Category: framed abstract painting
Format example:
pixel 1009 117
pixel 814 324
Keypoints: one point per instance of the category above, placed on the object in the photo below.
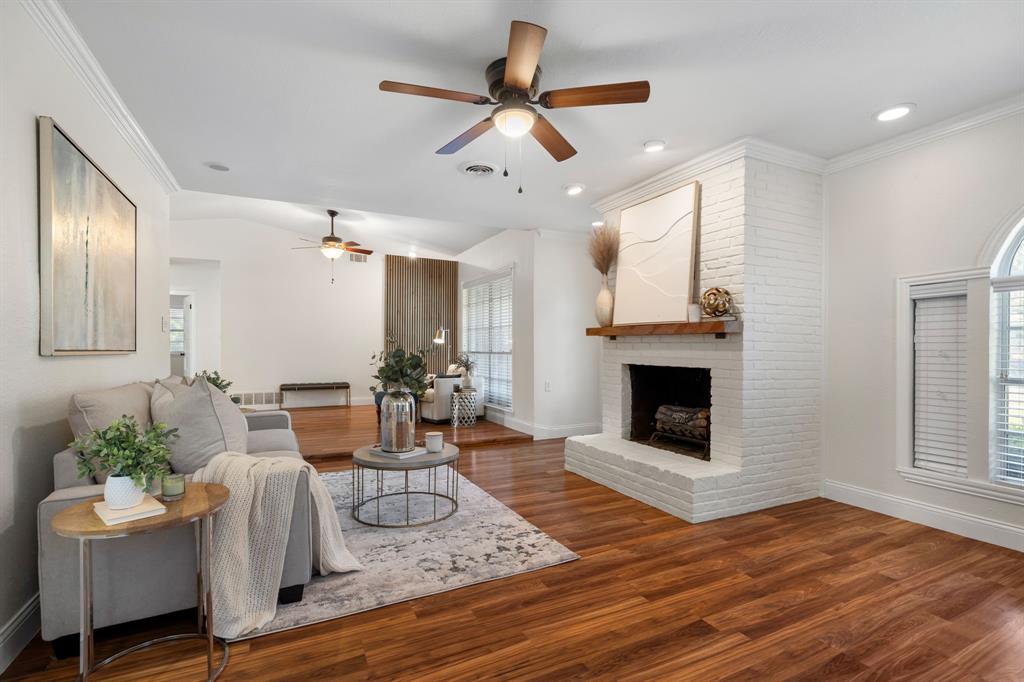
pixel 657 270
pixel 87 253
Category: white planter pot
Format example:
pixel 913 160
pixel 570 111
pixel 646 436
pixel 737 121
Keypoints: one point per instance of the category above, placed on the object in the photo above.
pixel 120 492
pixel 467 381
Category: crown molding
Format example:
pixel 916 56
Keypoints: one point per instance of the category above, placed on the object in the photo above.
pixel 747 147
pixel 953 126
pixel 62 34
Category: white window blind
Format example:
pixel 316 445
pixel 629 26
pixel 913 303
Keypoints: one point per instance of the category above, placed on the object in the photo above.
pixel 940 378
pixel 1007 463
pixel 177 330
pixel 487 336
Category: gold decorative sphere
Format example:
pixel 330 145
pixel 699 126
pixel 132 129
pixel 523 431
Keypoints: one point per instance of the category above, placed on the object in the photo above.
pixel 715 302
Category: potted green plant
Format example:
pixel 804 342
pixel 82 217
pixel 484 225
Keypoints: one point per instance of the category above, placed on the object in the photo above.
pixel 220 383
pixel 465 363
pixel 130 456
pixel 402 375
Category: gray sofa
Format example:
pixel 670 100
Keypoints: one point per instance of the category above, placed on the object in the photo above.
pixel 149 575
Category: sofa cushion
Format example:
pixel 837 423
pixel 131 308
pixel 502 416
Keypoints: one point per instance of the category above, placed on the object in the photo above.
pixel 88 412
pixel 208 423
pixel 267 440
pixel 290 454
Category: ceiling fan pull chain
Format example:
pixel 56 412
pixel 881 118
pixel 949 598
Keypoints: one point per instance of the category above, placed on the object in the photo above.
pixel 504 173
pixel 520 141
pixel 332 270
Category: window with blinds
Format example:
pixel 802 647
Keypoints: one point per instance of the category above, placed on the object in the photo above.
pixel 177 330
pixel 1007 453
pixel 940 378
pixel 487 336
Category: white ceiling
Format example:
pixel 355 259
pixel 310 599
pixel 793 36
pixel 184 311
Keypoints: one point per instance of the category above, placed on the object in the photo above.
pixel 285 93
pixel 381 232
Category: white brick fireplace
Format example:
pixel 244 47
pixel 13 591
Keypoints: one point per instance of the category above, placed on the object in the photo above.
pixel 761 238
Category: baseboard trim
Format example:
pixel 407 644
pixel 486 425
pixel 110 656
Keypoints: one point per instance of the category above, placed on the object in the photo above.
pixel 943 518
pixel 505 419
pixel 564 430
pixel 19 631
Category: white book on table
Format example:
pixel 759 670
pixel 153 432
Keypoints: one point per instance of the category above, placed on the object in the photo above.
pixel 418 450
pixel 148 507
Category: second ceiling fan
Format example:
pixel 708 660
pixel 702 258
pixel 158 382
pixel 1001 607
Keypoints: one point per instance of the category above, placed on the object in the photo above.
pixel 513 83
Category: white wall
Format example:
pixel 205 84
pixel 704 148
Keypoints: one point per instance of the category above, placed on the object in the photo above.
pixel 200 279
pixel 925 210
pixel 554 291
pixel 566 376
pixel 515 248
pixel 282 319
pixel 34 390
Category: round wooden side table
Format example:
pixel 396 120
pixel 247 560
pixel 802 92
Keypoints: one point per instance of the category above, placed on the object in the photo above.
pixel 201 502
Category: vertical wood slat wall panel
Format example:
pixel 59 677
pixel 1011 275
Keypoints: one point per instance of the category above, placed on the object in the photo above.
pixel 420 295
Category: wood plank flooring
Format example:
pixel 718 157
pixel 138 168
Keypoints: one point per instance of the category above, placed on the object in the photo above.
pixel 815 590
pixel 328 431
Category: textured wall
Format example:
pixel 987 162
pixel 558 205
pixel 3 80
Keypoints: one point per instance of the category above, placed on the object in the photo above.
pixel 420 295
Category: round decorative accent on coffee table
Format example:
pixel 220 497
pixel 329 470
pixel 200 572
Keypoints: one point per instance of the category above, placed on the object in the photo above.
pixel 425 487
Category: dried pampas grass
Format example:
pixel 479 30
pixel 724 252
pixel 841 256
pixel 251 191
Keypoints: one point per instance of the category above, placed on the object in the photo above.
pixel 604 248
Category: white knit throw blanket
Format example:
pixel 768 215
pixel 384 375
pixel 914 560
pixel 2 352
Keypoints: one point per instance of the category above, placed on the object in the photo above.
pixel 250 534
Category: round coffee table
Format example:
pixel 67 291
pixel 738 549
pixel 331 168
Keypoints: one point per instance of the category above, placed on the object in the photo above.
pixel 201 502
pixel 438 465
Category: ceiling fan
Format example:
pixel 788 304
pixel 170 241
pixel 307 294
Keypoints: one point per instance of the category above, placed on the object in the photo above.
pixel 331 246
pixel 513 82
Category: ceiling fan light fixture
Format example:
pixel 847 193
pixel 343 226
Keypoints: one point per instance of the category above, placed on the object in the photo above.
pixel 514 120
pixel 332 252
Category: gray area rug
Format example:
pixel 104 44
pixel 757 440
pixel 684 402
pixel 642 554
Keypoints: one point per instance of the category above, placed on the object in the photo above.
pixel 484 540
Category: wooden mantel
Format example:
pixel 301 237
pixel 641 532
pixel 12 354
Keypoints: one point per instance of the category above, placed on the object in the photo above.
pixel 717 327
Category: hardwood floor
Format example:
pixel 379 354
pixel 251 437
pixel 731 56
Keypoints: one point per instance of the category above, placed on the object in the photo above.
pixel 327 431
pixel 810 591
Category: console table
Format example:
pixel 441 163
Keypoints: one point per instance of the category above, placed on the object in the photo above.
pixel 201 502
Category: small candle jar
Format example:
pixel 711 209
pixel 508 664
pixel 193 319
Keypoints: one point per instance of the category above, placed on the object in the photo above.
pixel 434 441
pixel 172 487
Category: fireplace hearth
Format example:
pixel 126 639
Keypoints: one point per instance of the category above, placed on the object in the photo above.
pixel 670 408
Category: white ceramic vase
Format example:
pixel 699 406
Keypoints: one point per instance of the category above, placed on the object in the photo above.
pixel 605 304
pixel 120 492
pixel 467 380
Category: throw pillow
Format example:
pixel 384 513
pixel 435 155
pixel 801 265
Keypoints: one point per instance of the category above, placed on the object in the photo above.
pixel 208 423
pixel 88 412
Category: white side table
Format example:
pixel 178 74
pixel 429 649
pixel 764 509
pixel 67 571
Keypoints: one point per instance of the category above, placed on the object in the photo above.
pixel 464 408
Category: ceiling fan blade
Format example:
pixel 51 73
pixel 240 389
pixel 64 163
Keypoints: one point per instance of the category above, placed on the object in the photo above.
pixel 439 93
pixel 525 41
pixel 365 252
pixel 612 93
pixel 551 139
pixel 311 241
pixel 467 137
pixel 347 244
pixel 299 248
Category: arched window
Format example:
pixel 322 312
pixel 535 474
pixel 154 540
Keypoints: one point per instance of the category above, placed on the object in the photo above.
pixel 1007 452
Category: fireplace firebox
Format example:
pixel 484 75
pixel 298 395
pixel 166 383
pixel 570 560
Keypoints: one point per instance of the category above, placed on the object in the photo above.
pixel 670 408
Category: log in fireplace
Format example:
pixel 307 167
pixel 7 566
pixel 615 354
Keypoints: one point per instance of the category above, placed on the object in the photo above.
pixel 671 408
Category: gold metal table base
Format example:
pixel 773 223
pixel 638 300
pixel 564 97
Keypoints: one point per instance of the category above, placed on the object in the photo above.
pixel 204 608
pixel 360 501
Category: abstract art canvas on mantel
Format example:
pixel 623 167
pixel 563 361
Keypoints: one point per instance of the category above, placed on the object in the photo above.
pixel 656 273
pixel 87 253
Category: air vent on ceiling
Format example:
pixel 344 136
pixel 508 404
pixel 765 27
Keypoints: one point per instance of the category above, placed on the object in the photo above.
pixel 477 169
pixel 357 257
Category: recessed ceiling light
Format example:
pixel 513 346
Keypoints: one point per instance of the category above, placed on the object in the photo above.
pixel 597 223
pixel 654 146
pixel 573 189
pixel 895 113
pixel 213 165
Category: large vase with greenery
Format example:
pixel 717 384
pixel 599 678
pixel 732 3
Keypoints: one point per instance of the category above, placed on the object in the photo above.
pixel 403 378
pixel 128 455
pixel 466 365
pixel 604 251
